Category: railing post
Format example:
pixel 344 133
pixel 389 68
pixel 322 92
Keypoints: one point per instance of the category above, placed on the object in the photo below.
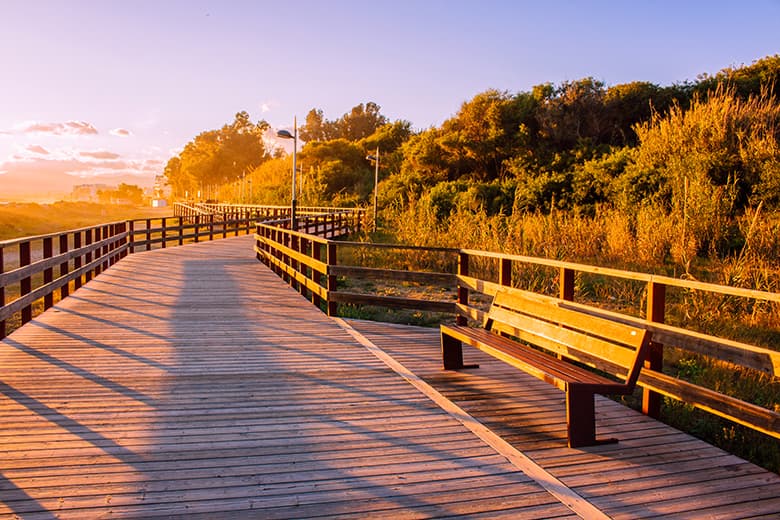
pixel 77 260
pixel 107 247
pixel 25 285
pixel 224 225
pixel 566 286
pixel 88 257
pixel 196 218
pixel 286 240
pixel 48 273
pixel 211 226
pixel 259 243
pixel 295 245
pixel 315 274
pixel 333 307
pixel 111 232
pixel 148 234
pixel 164 232
pixel 463 292
pixel 65 289
pixel 128 237
pixel 303 248
pixel 275 241
pixel 131 236
pixel 119 228
pixel 181 231
pixel 2 294
pixel 98 251
pixel 656 306
pixel 505 276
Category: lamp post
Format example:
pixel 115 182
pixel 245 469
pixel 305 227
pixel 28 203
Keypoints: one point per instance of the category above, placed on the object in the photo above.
pixel 375 158
pixel 285 134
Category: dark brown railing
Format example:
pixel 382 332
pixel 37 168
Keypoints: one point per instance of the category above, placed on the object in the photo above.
pixel 315 266
pixel 35 272
pixel 28 267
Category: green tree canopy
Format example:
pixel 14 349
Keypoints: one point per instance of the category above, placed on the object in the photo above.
pixel 216 157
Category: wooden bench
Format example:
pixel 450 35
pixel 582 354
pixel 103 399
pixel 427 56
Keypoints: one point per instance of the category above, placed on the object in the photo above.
pixel 550 338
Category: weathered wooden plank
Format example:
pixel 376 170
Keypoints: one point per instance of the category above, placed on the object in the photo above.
pixel 651 460
pixel 203 384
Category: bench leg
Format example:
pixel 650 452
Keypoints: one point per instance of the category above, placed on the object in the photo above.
pixel 581 418
pixel 452 354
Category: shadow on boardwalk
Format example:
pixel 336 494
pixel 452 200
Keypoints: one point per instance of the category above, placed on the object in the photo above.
pixel 191 381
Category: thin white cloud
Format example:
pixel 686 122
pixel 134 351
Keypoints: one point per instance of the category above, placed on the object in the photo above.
pixel 66 128
pixel 100 154
pixel 120 132
pixel 37 149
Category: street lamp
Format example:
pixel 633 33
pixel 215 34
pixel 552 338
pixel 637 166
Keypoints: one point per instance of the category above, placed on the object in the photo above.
pixel 285 134
pixel 375 158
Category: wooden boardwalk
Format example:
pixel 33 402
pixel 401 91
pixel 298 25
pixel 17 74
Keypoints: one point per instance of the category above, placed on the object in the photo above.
pixel 193 382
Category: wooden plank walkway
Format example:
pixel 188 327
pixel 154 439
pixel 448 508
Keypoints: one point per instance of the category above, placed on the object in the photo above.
pixel 654 471
pixel 193 382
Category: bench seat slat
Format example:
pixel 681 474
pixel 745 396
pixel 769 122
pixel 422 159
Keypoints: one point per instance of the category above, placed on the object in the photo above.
pixel 541 365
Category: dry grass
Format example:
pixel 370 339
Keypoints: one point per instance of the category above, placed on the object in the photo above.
pixel 28 219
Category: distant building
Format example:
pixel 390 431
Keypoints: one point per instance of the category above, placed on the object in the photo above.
pixel 159 203
pixel 88 192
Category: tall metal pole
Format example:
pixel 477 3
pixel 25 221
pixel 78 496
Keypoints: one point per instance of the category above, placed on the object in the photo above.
pixel 294 204
pixel 376 183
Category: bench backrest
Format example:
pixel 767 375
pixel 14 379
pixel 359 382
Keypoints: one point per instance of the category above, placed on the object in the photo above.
pixel 592 340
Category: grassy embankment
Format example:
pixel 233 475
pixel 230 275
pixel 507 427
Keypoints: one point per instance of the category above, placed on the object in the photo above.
pixel 29 219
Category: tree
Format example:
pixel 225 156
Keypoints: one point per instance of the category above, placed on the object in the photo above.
pixel 486 131
pixel 388 138
pixel 123 194
pixel 317 128
pixel 361 121
pixel 216 157
pixel 573 112
pixel 340 167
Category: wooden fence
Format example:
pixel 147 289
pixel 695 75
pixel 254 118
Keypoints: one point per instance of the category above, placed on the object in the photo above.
pixel 28 265
pixel 37 271
pixel 315 265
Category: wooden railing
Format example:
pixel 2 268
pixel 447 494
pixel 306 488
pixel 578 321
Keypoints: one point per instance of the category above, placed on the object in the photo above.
pixel 315 266
pixel 27 266
pixel 28 284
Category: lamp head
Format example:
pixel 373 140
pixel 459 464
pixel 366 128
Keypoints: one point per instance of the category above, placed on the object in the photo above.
pixel 370 157
pixel 284 134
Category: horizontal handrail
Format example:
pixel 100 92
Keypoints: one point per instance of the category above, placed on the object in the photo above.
pixel 629 275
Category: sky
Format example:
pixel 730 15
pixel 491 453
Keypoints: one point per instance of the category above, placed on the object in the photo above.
pixel 107 91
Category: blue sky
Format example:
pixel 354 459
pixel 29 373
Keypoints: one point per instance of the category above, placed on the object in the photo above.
pixel 91 88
